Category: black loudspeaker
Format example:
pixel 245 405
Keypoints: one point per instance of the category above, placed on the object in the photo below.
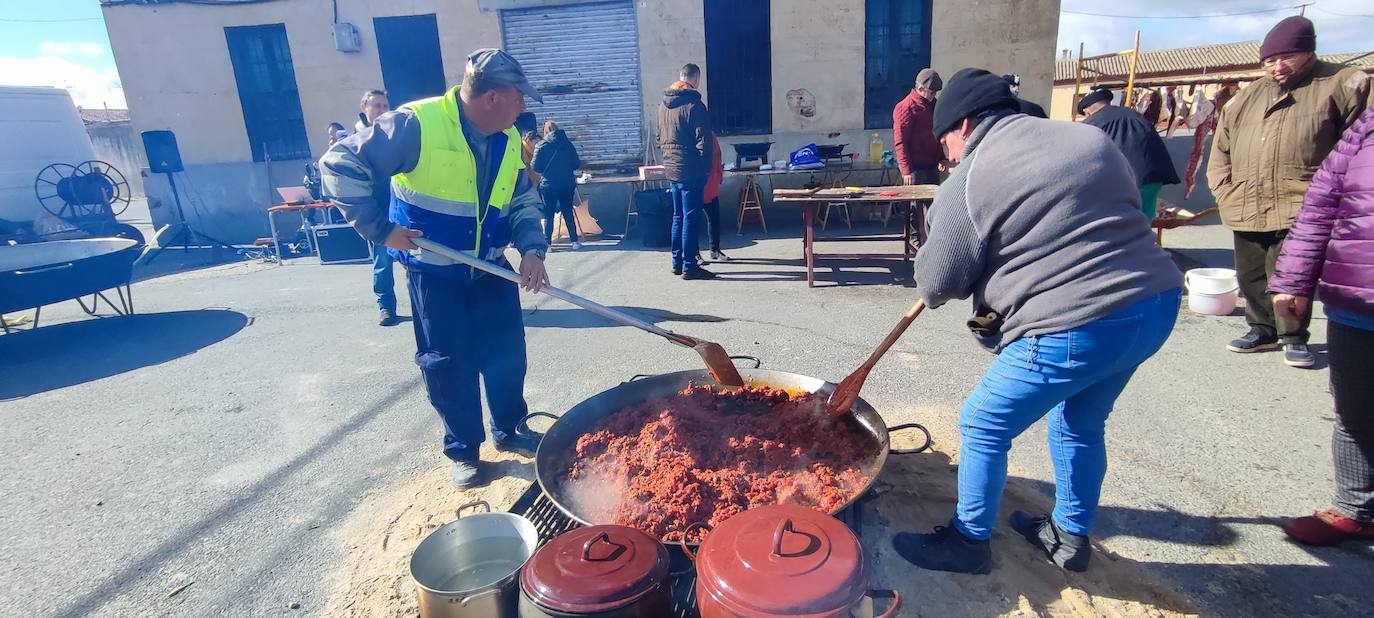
pixel 163 155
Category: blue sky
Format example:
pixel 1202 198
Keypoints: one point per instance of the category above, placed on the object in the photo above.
pixel 63 42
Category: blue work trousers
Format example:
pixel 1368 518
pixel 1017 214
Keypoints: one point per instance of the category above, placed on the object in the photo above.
pixel 466 330
pixel 383 281
pixel 687 207
pixel 1073 376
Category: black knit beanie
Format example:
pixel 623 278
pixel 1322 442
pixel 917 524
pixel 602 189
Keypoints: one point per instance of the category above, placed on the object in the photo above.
pixel 1293 34
pixel 966 94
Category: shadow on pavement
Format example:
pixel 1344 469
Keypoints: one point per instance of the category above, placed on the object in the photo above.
pixel 71 353
pixel 175 545
pixel 915 493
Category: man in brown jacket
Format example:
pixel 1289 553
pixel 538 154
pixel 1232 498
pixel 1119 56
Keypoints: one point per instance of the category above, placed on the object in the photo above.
pixel 1270 140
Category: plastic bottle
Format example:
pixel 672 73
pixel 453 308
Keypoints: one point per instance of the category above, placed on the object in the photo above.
pixel 875 149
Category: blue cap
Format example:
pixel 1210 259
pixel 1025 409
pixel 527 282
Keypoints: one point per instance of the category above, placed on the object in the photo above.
pixel 497 67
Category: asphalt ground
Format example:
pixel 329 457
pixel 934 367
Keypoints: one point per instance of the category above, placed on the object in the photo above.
pixel 199 457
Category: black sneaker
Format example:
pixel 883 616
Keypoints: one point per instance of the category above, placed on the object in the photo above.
pixel 521 443
pixel 698 273
pixel 387 318
pixel 468 474
pixel 1070 551
pixel 1297 355
pixel 945 549
pixel 677 271
pixel 1253 342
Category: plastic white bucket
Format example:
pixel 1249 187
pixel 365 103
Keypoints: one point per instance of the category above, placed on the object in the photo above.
pixel 1211 291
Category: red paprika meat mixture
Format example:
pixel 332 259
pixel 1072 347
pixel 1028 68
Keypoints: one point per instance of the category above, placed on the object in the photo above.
pixel 702 456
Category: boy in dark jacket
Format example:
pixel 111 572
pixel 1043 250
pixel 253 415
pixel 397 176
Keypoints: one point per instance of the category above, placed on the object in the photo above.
pixel 556 161
pixel 684 136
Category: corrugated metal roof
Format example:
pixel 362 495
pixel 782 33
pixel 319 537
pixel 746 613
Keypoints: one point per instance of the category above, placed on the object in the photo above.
pixel 93 116
pixel 1199 59
pixel 1202 59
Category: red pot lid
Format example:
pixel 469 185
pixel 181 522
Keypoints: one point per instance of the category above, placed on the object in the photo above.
pixel 783 560
pixel 595 569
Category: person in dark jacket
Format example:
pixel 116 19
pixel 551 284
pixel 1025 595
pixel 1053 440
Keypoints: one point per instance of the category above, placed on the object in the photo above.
pixel 1138 140
pixel 1327 253
pixel 556 161
pixel 684 136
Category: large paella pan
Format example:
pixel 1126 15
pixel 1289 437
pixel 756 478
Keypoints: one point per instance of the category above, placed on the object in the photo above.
pixel 561 470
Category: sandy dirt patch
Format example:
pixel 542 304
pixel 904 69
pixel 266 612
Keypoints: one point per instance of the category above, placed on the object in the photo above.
pixel 916 493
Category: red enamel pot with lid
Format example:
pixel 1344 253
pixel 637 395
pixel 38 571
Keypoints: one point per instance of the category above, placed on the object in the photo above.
pixel 597 571
pixel 785 560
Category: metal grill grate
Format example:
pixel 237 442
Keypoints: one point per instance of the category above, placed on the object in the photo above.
pixel 551 522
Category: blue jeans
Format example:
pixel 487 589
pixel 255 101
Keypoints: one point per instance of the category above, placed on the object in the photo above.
pixel 687 208
pixel 1073 376
pixel 466 331
pixel 383 281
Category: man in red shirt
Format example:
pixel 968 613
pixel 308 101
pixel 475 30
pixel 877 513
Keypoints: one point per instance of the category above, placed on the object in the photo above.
pixel 919 154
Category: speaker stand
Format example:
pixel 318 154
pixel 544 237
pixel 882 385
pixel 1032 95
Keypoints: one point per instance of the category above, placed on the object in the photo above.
pixel 186 236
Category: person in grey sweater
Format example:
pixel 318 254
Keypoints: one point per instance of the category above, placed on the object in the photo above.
pixel 1040 224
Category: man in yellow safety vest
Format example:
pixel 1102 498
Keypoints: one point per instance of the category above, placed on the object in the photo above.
pixel 456 176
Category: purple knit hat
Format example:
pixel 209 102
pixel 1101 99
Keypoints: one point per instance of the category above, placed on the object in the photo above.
pixel 1293 34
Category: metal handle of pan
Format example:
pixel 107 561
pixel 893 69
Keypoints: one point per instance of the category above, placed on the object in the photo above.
pixel 887 594
pixel 688 532
pixel 458 512
pixel 910 451
pixel 757 363
pixel 563 295
pixel 524 427
pixel 602 538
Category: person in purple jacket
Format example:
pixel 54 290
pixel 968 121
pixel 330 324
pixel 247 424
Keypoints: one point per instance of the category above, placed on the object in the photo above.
pixel 1330 252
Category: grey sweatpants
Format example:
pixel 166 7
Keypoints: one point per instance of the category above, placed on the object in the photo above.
pixel 1351 353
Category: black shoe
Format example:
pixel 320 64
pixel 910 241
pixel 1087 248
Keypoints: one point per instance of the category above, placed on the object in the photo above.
pixel 945 549
pixel 1253 342
pixel 677 271
pixel 520 443
pixel 1070 551
pixel 698 273
pixel 468 474
pixel 718 256
pixel 388 318
pixel 1297 355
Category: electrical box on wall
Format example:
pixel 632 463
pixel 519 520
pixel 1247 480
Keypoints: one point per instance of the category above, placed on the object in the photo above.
pixel 346 38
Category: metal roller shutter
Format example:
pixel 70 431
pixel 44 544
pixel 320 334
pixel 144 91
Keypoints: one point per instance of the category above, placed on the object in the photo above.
pixel 584 59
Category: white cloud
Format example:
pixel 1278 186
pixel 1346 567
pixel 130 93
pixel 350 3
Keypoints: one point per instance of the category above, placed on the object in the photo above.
pixel 90 49
pixel 90 87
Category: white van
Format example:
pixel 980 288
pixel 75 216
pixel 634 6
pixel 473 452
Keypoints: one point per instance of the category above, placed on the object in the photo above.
pixel 38 127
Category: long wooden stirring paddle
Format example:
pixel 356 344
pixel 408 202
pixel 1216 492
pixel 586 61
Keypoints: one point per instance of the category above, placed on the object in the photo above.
pixel 844 396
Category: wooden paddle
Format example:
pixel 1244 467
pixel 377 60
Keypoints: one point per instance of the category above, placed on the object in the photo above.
pixel 713 354
pixel 843 398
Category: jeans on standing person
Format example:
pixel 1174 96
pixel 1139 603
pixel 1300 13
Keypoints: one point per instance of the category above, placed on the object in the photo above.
pixel 558 201
pixel 383 281
pixel 1256 253
pixel 1350 350
pixel 1074 377
pixel 712 210
pixel 466 331
pixel 687 207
